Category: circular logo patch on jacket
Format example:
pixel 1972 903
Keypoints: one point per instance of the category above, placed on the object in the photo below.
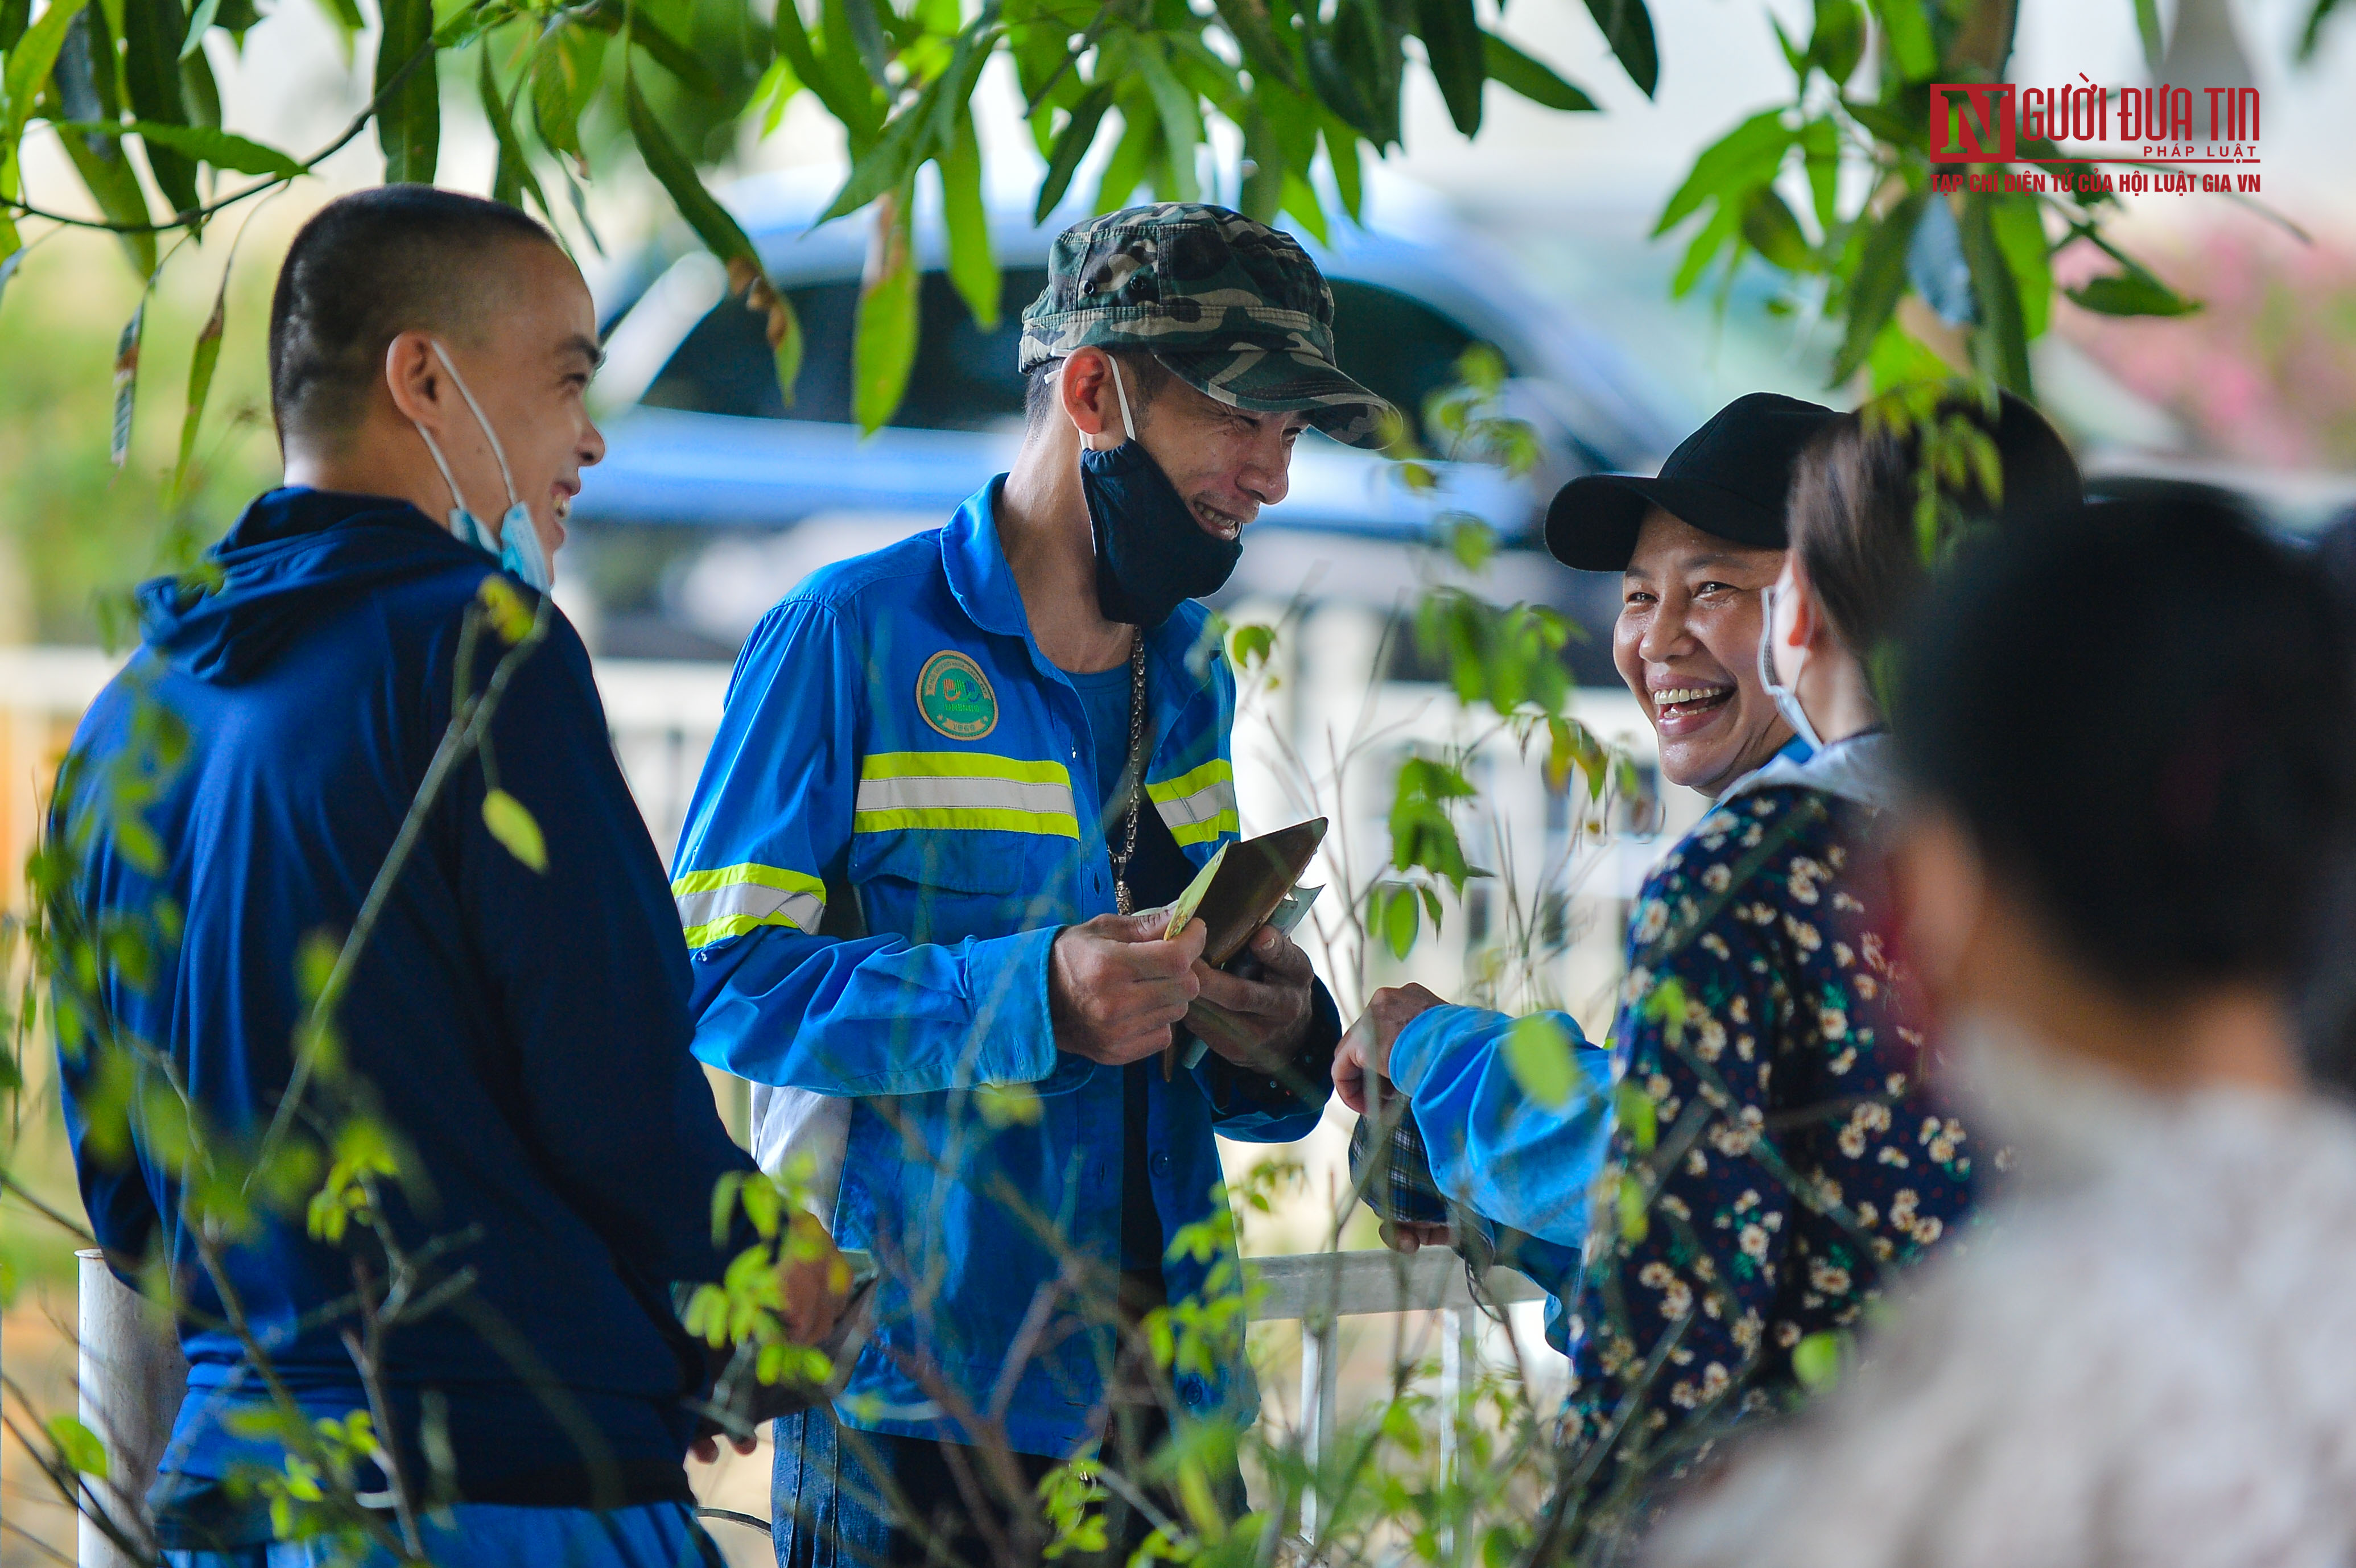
pixel 955 696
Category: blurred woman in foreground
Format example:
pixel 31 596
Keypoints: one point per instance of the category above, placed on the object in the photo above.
pixel 2134 738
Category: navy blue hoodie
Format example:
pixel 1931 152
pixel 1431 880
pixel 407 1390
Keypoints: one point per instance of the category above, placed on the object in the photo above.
pixel 526 1034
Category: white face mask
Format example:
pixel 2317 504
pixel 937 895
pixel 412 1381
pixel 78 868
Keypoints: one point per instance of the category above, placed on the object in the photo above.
pixel 515 541
pixel 1787 701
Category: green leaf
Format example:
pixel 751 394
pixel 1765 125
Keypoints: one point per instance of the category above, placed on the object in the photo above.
pixel 514 827
pixel 566 71
pixel 1838 42
pixel 1820 142
pixel 14 17
pixel 206 11
pixel 151 30
pixel 1402 919
pixel 1628 28
pixel 1250 645
pixel 1173 105
pixel 344 15
pixel 1453 44
pixel 511 176
pixel 1907 28
pixel 883 349
pixel 2000 342
pixel 1533 79
pixel 1815 1361
pixel 2133 293
pixel 409 111
pixel 1141 134
pixel 2312 33
pixel 201 91
pixel 77 1446
pixel 1637 1115
pixel 1879 279
pixel 127 383
pixel 867 34
pixel 1072 144
pixel 1769 228
pixel 720 233
pixel 1247 24
pixel 664 50
pixel 2146 13
pixel 29 63
pixel 917 133
pixel 1634 1223
pixel 218 148
pixel 972 269
pixel 202 360
pixel 1349 170
pixel 2019 224
pixel 1745 156
pixel 1538 1053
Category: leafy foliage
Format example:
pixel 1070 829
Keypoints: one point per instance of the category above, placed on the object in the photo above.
pixel 1772 188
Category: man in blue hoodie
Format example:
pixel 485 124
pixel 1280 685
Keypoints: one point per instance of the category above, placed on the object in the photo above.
pixel 517 1017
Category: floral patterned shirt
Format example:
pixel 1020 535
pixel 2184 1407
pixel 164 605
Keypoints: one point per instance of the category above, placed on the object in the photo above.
pixel 1775 1150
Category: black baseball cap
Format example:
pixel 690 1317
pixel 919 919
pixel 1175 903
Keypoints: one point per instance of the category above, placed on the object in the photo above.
pixel 1730 478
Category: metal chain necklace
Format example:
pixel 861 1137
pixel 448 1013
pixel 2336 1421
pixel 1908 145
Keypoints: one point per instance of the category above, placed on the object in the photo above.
pixel 1132 775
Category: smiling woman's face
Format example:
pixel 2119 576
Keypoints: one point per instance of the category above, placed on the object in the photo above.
pixel 1687 644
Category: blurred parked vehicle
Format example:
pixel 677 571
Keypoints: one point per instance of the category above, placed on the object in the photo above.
pixel 716 495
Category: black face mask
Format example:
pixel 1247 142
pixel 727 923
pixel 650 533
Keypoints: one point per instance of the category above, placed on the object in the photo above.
pixel 1151 553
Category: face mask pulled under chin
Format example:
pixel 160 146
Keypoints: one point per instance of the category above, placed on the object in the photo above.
pixel 1151 553
pixel 515 541
pixel 1787 701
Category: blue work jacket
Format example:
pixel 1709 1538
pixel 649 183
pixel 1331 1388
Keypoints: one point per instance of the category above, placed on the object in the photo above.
pixel 899 760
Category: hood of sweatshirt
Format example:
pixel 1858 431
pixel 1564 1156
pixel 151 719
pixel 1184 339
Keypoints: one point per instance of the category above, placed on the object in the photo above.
pixel 295 554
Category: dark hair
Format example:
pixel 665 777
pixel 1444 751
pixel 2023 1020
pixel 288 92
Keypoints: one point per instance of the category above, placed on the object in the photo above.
pixel 365 269
pixel 1852 513
pixel 1147 376
pixel 2145 715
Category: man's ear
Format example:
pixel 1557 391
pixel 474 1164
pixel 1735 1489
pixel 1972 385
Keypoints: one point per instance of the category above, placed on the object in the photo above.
pixel 1085 389
pixel 415 380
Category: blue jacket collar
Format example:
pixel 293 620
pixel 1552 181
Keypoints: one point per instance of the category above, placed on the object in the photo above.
pixel 983 583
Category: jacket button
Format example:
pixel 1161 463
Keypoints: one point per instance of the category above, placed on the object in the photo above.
pixel 1160 1164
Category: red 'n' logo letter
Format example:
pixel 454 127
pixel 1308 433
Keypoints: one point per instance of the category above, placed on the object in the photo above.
pixel 1971 123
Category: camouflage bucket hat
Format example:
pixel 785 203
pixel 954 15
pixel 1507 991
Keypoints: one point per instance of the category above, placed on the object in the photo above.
pixel 1235 310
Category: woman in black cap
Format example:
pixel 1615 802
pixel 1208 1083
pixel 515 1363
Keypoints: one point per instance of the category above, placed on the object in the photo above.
pixel 1779 1151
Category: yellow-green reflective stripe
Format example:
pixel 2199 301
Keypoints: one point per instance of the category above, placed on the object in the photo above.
pixel 960 765
pixel 732 899
pixel 1205 831
pixel 963 790
pixel 1198 805
pixel 1215 771
pixel 988 819
pixel 737 925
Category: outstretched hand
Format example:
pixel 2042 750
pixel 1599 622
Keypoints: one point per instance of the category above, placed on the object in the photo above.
pixel 1115 986
pixel 813 1287
pixel 1366 1050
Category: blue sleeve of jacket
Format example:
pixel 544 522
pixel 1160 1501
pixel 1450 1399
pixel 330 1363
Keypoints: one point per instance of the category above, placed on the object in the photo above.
pixel 1492 1147
pixel 776 1003
pixel 584 964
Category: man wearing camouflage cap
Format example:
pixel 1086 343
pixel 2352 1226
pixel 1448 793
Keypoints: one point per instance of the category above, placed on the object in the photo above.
pixel 948 772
